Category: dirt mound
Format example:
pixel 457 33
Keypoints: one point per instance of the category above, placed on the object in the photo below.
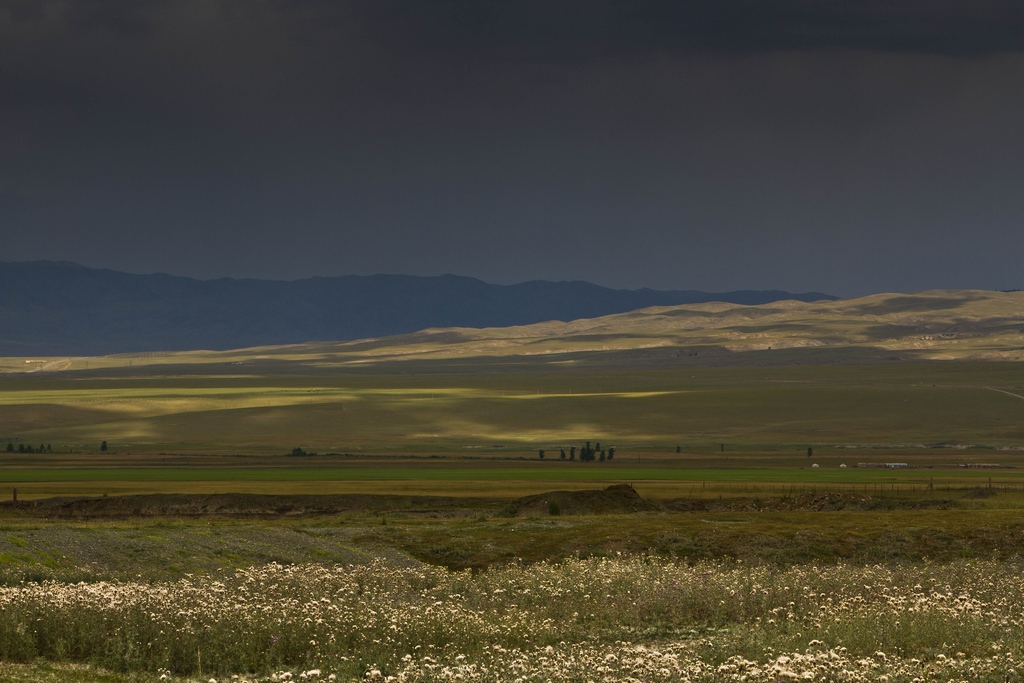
pixel 252 505
pixel 815 502
pixel 617 499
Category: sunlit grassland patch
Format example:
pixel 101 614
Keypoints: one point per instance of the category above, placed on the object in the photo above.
pixel 532 410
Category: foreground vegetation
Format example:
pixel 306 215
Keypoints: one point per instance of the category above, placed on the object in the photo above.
pixel 614 618
pixel 821 587
pixel 166 537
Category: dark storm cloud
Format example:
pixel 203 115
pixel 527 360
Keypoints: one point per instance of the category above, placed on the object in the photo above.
pixel 67 47
pixel 252 61
pixel 126 17
pixel 281 62
pixel 569 29
pixel 12 206
pixel 588 29
pixel 711 144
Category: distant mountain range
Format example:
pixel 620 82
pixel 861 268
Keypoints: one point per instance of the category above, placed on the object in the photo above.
pixel 57 308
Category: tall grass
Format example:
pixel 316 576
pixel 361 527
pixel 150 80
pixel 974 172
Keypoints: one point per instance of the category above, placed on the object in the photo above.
pixel 546 620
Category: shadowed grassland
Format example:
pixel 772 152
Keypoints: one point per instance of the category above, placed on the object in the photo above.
pixel 668 476
pixel 169 535
pixel 774 538
pixel 487 472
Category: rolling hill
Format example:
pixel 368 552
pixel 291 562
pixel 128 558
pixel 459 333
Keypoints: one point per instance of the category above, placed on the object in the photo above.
pixel 54 309
pixel 935 325
pixel 863 371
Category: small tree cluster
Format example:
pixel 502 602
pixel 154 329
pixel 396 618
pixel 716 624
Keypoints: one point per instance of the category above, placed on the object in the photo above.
pixel 28 448
pixel 587 453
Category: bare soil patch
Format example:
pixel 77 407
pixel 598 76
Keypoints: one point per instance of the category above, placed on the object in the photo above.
pixel 617 499
pixel 820 502
pixel 250 505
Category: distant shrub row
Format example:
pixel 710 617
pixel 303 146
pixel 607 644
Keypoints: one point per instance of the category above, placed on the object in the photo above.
pixel 27 448
pixel 587 453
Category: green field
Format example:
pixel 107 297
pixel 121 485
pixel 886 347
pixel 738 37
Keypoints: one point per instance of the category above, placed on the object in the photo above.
pixel 554 473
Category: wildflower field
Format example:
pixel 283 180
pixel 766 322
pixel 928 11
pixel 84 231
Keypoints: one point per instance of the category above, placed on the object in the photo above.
pixel 620 618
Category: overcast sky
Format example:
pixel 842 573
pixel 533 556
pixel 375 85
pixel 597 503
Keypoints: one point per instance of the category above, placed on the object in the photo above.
pixel 845 147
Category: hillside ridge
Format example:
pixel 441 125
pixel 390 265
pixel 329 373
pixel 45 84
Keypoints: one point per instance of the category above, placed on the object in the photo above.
pixel 59 308
pixel 934 325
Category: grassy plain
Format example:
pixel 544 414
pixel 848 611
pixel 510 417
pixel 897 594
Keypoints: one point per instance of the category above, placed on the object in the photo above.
pixel 932 381
pixel 476 432
pixel 640 410
pixel 770 378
